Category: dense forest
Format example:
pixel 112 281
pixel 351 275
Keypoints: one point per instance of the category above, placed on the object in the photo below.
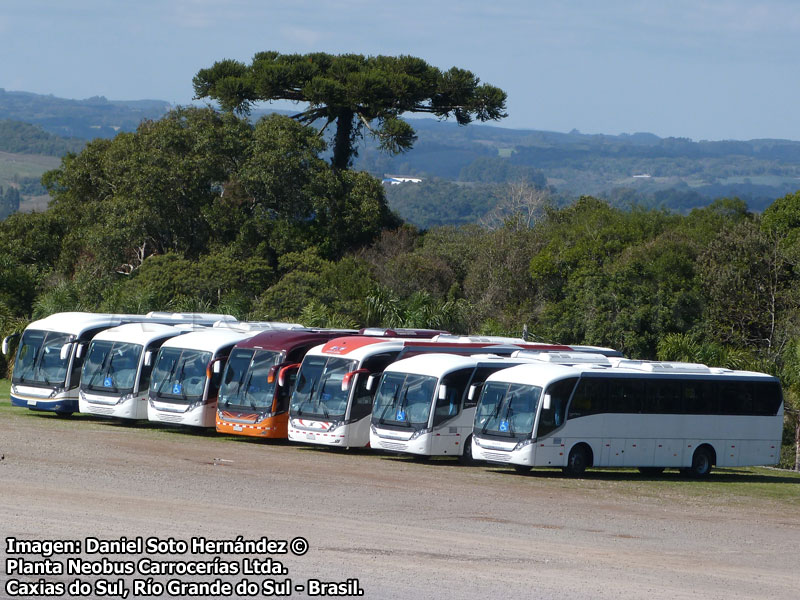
pixel 643 169
pixel 218 211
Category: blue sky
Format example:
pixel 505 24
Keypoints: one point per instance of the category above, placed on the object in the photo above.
pixel 703 69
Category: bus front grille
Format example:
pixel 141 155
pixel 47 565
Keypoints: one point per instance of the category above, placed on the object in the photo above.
pixel 398 447
pixel 496 457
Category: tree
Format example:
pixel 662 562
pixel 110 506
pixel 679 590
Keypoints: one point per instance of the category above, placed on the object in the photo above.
pixel 354 92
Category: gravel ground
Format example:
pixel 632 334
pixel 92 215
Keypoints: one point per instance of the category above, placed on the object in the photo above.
pixel 404 529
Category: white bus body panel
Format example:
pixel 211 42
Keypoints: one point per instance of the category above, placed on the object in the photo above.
pixel 736 440
pixel 204 414
pixel 311 431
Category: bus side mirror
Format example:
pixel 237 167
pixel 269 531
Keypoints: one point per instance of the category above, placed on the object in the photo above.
pixel 370 382
pixel 7 342
pixel 79 350
pixel 471 394
pixel 215 366
pixel 548 402
pixel 148 358
pixel 348 377
pixel 284 371
pixel 442 392
pixel 65 350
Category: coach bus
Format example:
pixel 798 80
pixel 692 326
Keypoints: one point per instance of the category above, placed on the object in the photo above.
pixel 116 374
pixel 188 372
pixel 51 352
pixel 332 399
pixel 650 415
pixel 425 405
pixel 257 381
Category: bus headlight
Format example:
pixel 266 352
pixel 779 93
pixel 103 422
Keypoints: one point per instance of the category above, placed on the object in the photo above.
pixel 125 398
pixel 335 425
pixel 419 432
pixel 520 445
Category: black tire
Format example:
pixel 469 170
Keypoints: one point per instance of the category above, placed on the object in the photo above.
pixel 466 457
pixel 651 470
pixel 522 469
pixel 577 461
pixel 702 461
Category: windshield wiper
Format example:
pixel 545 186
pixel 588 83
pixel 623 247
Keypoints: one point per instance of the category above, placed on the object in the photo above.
pixel 310 396
pixel 381 419
pixel 167 378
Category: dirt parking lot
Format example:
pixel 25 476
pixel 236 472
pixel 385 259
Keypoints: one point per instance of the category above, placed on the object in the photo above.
pixel 404 529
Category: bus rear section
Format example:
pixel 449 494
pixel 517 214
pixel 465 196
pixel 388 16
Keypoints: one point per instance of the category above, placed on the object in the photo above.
pixel 258 381
pixel 642 414
pixel 425 405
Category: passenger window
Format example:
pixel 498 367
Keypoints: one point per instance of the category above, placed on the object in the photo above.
pixel 590 398
pixel 450 406
pixel 663 397
pixel 362 397
pixel 625 395
pixel 767 398
pixel 553 417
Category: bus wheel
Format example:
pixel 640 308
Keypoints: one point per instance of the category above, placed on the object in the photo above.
pixel 577 461
pixel 522 469
pixel 466 457
pixel 701 463
pixel 651 470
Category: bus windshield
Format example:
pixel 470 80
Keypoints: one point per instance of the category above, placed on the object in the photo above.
pixel 245 384
pixel 179 376
pixel 318 391
pixel 507 410
pixel 404 401
pixel 39 359
pixel 111 367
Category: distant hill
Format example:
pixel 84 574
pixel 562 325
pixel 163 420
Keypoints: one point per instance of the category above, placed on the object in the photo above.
pixel 638 168
pixel 87 119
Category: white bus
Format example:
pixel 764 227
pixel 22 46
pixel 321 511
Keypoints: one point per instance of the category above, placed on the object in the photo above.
pixel 425 405
pixel 330 403
pixel 188 370
pixel 626 413
pixel 332 400
pixel 51 351
pixel 116 374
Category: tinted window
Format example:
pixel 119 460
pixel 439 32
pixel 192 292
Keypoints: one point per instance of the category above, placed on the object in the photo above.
pixel 663 396
pixel 590 398
pixel 625 395
pixel 553 416
pixel 450 406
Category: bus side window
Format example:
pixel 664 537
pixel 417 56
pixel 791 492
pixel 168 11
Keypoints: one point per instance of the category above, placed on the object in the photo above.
pixel 663 396
pixel 285 391
pixel 767 398
pixel 590 398
pixel 450 406
pixel 625 395
pixel 553 417
pixel 362 397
